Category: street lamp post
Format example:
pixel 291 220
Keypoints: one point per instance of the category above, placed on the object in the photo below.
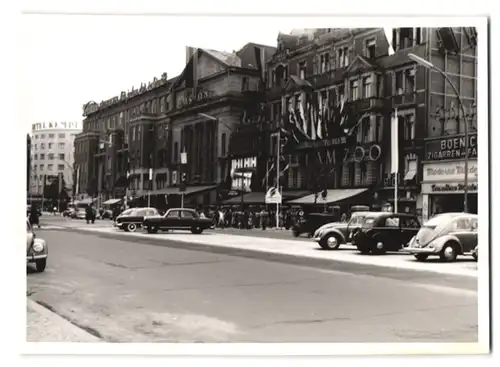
pixel 430 66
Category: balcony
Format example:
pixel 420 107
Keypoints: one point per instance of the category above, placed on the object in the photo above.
pixel 330 77
pixel 368 104
pixel 404 99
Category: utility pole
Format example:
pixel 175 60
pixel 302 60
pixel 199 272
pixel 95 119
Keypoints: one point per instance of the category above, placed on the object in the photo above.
pixel 183 184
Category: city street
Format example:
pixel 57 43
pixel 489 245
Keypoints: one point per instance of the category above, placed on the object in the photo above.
pixel 137 290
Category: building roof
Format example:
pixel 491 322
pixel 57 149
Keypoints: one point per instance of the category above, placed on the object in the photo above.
pixel 230 59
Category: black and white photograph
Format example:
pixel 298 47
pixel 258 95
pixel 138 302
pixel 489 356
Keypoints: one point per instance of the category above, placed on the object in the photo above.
pixel 222 181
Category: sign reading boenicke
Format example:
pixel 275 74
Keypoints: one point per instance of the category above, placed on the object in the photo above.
pixel 450 148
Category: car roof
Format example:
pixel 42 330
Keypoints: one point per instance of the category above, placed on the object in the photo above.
pixel 389 214
pixel 189 209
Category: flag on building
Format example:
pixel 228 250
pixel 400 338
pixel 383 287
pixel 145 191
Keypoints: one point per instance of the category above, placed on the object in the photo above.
pixel 389 35
pixel 395 143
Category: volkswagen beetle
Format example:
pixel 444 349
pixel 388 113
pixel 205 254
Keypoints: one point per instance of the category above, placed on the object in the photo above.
pixel 447 236
pixel 332 235
pixel 36 249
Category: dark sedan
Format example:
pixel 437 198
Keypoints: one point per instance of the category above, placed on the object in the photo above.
pixel 131 219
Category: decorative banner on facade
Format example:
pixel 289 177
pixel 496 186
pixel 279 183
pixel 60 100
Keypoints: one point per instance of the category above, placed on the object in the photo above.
pixel 241 181
pixel 450 148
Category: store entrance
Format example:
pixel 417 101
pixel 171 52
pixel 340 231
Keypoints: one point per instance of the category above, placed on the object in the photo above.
pixel 453 203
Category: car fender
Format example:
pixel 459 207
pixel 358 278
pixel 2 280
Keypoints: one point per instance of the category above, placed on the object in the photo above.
pixel 336 232
pixel 439 242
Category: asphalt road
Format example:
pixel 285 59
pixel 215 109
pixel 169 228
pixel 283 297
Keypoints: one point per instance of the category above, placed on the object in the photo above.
pixel 129 291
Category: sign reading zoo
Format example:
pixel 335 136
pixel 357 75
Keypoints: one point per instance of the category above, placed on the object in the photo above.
pixel 450 148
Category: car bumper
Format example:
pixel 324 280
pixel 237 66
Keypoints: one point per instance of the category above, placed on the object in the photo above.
pixel 317 239
pixel 34 257
pixel 421 250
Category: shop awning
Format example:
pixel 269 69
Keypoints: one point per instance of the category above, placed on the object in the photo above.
pixel 410 175
pixel 175 190
pixel 248 198
pixel 111 201
pixel 333 196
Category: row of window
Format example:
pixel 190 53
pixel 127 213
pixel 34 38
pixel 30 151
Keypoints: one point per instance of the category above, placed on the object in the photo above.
pixel 51 136
pixel 50 167
pixel 49 146
pixel 50 156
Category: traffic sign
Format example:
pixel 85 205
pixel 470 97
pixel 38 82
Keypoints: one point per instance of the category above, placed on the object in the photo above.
pixel 273 196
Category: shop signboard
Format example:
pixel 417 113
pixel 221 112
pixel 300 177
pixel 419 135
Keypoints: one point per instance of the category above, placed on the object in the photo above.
pixel 450 171
pixel 450 148
pixel 448 188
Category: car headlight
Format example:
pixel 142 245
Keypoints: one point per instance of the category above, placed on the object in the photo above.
pixel 38 247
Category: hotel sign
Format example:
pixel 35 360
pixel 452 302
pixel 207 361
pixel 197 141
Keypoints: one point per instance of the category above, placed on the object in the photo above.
pixel 341 140
pixel 449 171
pixel 449 188
pixel 450 148
pixel 57 125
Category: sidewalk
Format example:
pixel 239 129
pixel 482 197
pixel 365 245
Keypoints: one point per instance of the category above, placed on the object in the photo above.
pixel 304 249
pixel 43 325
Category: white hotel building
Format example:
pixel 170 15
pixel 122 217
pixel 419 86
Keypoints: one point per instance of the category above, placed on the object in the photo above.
pixel 52 152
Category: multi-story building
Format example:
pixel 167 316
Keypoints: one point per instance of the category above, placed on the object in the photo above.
pixel 453 50
pixel 142 134
pixel 335 91
pixel 52 153
pixel 28 162
pixel 106 149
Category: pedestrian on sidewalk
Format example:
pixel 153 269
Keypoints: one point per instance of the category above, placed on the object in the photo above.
pixel 34 218
pixel 263 219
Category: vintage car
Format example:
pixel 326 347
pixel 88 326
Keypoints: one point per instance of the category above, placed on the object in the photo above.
pixel 177 219
pixel 330 236
pixel 131 219
pixel 311 222
pixel 36 249
pixel 447 236
pixel 385 231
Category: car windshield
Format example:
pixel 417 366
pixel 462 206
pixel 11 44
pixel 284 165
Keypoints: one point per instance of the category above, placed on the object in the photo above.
pixel 368 221
pixel 356 220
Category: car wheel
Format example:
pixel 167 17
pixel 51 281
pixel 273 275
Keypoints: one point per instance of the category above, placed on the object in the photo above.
pixel 152 229
pixel 378 247
pixel 330 242
pixel 196 230
pixel 449 252
pixel 40 265
pixel 421 257
pixel 131 227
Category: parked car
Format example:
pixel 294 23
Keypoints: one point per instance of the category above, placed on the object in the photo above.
pixel 311 222
pixel 385 231
pixel 330 236
pixel 131 219
pixel 447 236
pixel 36 249
pixel 177 219
pixel 475 253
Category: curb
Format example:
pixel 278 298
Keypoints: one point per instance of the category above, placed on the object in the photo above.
pixel 61 323
pixel 290 258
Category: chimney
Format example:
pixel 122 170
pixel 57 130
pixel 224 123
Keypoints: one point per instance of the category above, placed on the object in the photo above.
pixel 189 53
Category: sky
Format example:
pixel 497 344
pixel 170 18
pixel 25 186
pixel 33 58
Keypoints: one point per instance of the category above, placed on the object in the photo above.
pixel 66 61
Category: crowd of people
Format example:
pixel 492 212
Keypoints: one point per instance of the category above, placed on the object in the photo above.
pixel 248 219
